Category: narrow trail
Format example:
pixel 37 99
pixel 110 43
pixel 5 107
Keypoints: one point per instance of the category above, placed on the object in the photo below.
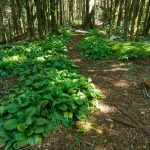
pixel 120 84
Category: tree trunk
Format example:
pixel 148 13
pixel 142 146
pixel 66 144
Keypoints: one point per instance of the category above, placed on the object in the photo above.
pixel 53 11
pixel 89 14
pixel 38 4
pixel 29 18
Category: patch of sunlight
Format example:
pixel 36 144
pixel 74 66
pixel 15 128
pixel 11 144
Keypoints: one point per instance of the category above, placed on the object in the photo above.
pixel 81 31
pixel 87 126
pixel 77 60
pixel 115 69
pixel 91 70
pixel 121 83
pixel 104 108
pixel 15 58
pixel 41 59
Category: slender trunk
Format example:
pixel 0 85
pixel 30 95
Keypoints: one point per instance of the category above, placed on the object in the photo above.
pixel 140 15
pixel 120 13
pixel 14 18
pixel 146 18
pixel 29 18
pixel 39 16
pixel 135 14
pixel 126 21
pixel 53 10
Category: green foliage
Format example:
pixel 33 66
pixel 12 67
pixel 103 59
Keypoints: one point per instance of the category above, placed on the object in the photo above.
pixel 130 50
pixel 94 48
pixel 65 31
pixel 49 92
pixel 96 32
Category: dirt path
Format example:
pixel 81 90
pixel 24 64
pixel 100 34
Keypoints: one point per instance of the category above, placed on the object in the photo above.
pixel 120 83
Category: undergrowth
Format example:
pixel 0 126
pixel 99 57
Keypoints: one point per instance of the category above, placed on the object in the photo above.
pixel 96 46
pixel 49 91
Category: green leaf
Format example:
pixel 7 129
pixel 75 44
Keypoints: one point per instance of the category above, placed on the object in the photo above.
pixel 40 121
pixel 12 108
pixel 1 121
pixel 2 144
pixel 63 107
pixel 10 124
pixel 21 144
pixel 9 146
pixel 2 109
pixel 21 127
pixel 29 131
pixel 38 129
pixel 35 139
pixel 48 96
pixel 30 111
pixel 29 121
pixel 19 136
pixel 68 114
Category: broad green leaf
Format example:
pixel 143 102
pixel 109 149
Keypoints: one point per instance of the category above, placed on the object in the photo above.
pixel 29 131
pixel 63 107
pixel 40 121
pixel 68 114
pixel 21 144
pixel 4 136
pixel 48 96
pixel 9 145
pixel 29 121
pixel 2 144
pixel 38 129
pixel 22 127
pixel 19 136
pixel 35 139
pixel 1 121
pixel 2 109
pixel 12 108
pixel 10 124
pixel 30 111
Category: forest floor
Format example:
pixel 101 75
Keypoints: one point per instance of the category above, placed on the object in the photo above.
pixel 107 129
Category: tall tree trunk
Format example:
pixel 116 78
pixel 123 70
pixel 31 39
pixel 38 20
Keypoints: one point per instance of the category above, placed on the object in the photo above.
pixel 29 17
pixel 53 10
pixel 126 21
pixel 135 14
pixel 142 4
pixel 38 4
pixel 146 19
pixel 14 18
pixel 3 34
pixel 20 19
pixel 71 11
pixel 89 14
pixel 120 12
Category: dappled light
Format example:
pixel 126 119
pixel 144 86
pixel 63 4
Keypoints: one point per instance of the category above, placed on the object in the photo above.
pixel 74 74
pixel 104 108
pixel 122 83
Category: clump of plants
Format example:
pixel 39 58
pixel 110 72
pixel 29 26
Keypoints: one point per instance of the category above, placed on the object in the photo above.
pixel 49 92
pixel 94 48
pixel 130 50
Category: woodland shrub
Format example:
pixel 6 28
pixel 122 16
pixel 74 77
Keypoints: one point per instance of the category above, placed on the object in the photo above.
pixel 130 50
pixel 94 48
pixel 49 91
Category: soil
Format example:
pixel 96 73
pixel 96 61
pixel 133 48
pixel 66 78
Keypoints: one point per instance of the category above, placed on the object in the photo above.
pixel 120 83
